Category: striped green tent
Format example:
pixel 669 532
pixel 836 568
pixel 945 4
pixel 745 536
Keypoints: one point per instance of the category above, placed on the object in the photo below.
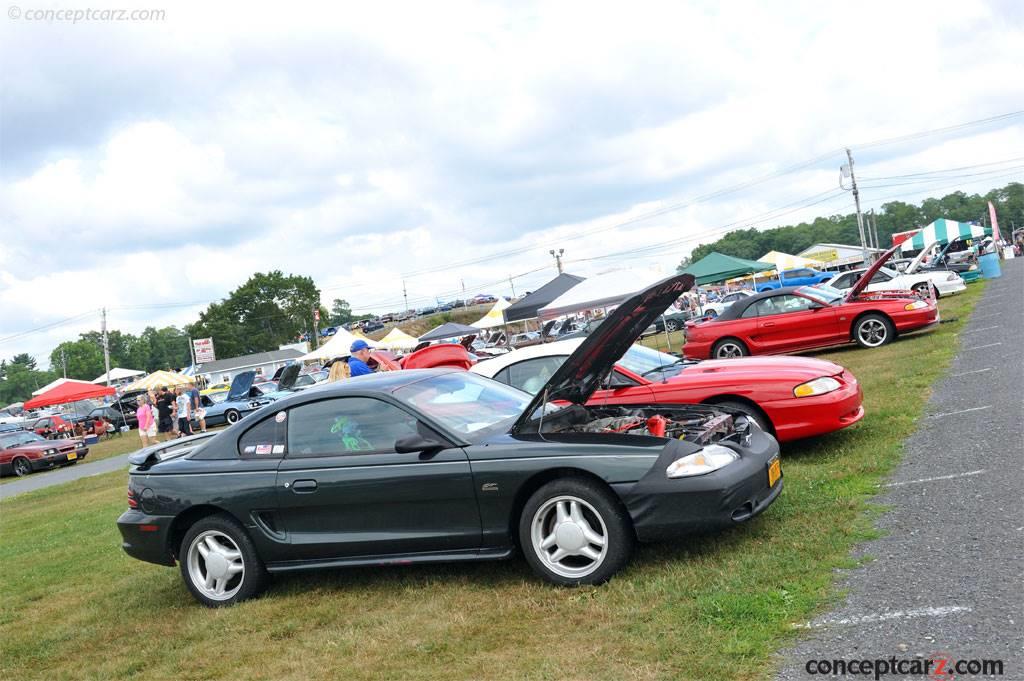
pixel 943 231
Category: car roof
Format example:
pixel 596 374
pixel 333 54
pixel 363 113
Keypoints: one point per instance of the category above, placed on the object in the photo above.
pixel 739 307
pixel 491 367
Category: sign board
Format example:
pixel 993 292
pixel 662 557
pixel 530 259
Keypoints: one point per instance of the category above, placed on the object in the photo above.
pixel 204 350
pixel 826 255
pixel 316 315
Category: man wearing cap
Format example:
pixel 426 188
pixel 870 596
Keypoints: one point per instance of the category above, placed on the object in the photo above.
pixel 357 362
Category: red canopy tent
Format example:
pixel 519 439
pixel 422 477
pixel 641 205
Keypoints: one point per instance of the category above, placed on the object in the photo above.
pixel 68 392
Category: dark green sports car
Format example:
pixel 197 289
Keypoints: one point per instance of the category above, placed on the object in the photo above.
pixel 446 465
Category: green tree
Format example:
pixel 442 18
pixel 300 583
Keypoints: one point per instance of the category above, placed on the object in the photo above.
pixel 341 312
pixel 894 216
pixel 267 311
pixel 19 377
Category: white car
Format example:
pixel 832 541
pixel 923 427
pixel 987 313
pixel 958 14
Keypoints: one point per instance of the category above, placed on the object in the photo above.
pixel 715 309
pixel 941 283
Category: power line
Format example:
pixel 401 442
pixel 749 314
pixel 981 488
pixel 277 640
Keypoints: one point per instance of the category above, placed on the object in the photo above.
pixel 46 327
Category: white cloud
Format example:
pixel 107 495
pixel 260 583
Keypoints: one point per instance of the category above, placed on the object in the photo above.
pixel 165 162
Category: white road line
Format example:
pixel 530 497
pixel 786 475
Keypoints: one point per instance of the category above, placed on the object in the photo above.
pixel 883 617
pixel 939 477
pixel 962 411
pixel 968 373
pixel 987 328
pixel 981 347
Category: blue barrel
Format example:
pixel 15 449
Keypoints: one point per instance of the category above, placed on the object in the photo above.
pixel 990 266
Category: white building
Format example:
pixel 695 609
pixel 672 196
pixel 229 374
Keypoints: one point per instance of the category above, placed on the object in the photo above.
pixel 837 256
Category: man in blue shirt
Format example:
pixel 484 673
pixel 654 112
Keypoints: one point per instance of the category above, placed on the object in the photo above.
pixel 357 362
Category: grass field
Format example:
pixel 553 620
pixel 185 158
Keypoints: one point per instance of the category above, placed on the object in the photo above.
pixel 73 606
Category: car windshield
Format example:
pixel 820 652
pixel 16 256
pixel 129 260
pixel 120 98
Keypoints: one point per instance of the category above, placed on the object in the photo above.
pixel 217 398
pixel 642 360
pixel 826 295
pixel 466 403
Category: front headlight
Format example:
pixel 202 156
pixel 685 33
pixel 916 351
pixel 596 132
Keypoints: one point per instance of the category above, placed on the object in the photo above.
pixel 818 386
pixel 972 268
pixel 51 452
pixel 708 459
pixel 953 276
pixel 916 305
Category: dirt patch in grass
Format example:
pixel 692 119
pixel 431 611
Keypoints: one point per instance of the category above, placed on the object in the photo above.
pixel 73 606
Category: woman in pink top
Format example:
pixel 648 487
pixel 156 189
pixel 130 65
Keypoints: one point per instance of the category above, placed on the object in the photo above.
pixel 147 421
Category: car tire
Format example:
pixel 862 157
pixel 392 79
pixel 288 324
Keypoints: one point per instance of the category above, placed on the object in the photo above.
pixel 752 412
pixel 21 467
pixel 573 531
pixel 711 314
pixel 873 331
pixel 672 325
pixel 219 563
pixel 232 416
pixel 729 347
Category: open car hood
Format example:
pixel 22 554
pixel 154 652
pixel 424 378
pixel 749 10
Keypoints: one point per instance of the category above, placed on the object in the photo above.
pixel 287 376
pixel 915 264
pixel 240 386
pixel 862 283
pixel 582 373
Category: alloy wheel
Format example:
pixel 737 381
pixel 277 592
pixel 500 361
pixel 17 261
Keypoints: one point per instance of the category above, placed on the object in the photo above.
pixel 569 536
pixel 872 332
pixel 22 467
pixel 215 565
pixel 729 350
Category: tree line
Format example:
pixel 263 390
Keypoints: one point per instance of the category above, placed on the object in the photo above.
pixel 895 216
pixel 267 311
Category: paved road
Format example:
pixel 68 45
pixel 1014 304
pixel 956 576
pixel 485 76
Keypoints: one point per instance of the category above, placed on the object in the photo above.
pixel 947 578
pixel 62 475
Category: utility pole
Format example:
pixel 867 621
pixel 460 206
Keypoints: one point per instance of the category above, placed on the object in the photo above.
pixel 192 350
pixel 316 328
pixel 405 296
pixel 558 258
pixel 64 362
pixel 106 344
pixel 874 227
pixel 856 200
pixel 512 285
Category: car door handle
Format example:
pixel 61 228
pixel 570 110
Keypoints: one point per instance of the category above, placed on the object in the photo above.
pixel 304 486
pixel 767 324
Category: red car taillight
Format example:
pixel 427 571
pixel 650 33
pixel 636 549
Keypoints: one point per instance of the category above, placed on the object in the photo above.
pixel 132 501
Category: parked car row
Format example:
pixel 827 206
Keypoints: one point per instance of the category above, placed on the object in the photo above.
pixel 570 452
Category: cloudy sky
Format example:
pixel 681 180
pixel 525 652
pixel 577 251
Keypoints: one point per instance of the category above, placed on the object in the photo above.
pixel 151 166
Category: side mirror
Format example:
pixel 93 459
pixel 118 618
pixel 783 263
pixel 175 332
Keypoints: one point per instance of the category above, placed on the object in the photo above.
pixel 417 443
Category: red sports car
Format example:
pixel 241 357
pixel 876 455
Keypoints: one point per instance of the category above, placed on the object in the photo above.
pixel 23 452
pixel 792 319
pixel 791 397
pixel 51 426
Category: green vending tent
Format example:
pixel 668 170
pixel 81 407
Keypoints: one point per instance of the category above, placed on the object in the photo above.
pixel 944 231
pixel 717 267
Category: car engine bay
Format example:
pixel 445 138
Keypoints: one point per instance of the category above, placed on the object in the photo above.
pixel 699 424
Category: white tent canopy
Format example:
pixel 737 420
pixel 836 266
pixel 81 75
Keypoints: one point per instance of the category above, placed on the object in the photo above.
pixel 398 340
pixel 118 374
pixel 604 290
pixel 785 261
pixel 494 317
pixel 340 345
pixel 60 381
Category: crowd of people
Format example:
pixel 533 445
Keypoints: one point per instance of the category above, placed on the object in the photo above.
pixel 169 414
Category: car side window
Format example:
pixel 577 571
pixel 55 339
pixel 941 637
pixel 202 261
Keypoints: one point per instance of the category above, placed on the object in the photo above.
pixel 267 439
pixel 845 281
pixel 782 304
pixel 347 425
pixel 880 277
pixel 752 310
pixel 532 374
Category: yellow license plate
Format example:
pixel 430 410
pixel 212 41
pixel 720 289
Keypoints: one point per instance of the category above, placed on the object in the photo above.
pixel 72 456
pixel 774 472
